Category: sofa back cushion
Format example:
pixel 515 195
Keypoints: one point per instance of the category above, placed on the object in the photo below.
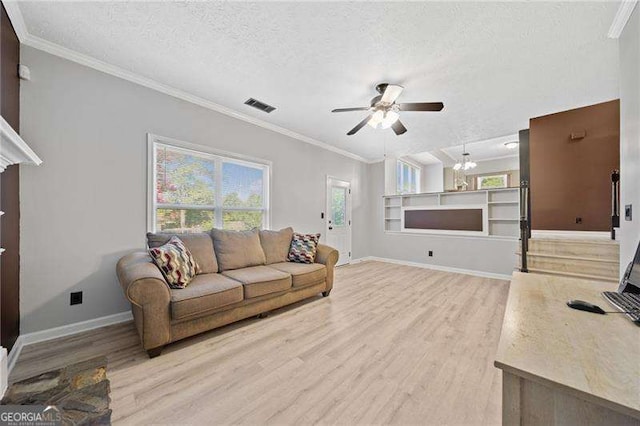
pixel 200 246
pixel 237 249
pixel 275 244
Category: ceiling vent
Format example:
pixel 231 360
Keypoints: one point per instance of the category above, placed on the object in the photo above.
pixel 259 105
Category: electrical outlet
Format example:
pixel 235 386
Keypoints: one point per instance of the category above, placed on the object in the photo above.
pixel 578 220
pixel 76 298
pixel 430 253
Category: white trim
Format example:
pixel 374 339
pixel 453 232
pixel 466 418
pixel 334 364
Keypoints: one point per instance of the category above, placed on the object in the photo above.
pixel 17 20
pixel 14 354
pixel 581 235
pixel 349 210
pixel 219 157
pixel 485 219
pixel 622 17
pixel 62 331
pixel 4 371
pixel 13 149
pixel 474 273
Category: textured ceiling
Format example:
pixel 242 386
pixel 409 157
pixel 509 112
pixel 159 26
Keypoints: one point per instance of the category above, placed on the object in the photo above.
pixel 494 65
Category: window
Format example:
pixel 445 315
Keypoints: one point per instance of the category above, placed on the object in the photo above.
pixel 408 178
pixel 195 191
pixel 495 181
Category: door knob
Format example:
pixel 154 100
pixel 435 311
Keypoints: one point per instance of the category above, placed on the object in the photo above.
pixel 330 228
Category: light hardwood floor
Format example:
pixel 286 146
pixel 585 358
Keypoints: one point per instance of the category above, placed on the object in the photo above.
pixel 391 345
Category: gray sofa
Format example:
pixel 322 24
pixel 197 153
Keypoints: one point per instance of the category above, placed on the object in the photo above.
pixel 242 274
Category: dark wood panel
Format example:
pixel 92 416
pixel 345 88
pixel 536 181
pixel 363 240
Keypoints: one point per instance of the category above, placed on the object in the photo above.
pixel 444 219
pixel 571 177
pixel 9 189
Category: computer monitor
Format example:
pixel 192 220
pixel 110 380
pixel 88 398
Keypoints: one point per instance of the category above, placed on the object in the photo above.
pixel 631 280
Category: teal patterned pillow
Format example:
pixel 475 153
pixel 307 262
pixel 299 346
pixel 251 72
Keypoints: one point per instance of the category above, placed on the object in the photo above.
pixel 175 262
pixel 303 248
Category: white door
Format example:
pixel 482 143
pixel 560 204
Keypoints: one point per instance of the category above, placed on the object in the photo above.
pixel 338 218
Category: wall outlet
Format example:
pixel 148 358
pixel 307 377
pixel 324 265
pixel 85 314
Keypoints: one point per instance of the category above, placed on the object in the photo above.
pixel 627 212
pixel 76 298
pixel 578 220
pixel 430 253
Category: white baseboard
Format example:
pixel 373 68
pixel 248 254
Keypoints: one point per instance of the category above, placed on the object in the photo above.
pixel 65 330
pixel 482 274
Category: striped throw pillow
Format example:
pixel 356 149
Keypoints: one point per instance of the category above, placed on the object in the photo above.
pixel 303 248
pixel 175 262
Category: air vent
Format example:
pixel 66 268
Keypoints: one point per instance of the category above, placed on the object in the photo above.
pixel 259 105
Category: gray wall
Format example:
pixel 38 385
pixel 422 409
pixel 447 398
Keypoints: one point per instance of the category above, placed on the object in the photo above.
pixel 86 205
pixel 478 254
pixel 630 136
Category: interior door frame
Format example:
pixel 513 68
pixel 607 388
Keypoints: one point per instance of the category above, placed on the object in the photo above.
pixel 349 212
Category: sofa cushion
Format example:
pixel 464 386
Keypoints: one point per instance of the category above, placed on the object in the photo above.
pixel 200 245
pixel 237 249
pixel 205 293
pixel 260 280
pixel 303 248
pixel 302 274
pixel 175 262
pixel 275 244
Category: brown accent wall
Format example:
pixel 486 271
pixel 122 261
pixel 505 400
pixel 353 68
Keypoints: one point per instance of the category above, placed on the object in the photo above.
pixel 9 189
pixel 572 178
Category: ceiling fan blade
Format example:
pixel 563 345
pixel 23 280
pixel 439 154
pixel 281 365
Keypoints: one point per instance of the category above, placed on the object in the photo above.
pixel 360 125
pixel 350 109
pixel 422 106
pixel 399 128
pixel 391 93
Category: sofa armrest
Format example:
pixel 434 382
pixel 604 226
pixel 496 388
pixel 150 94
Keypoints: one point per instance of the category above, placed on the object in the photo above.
pixel 150 297
pixel 328 256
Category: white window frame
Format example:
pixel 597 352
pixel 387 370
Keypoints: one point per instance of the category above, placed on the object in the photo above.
pixel 505 176
pixel 400 178
pixel 219 157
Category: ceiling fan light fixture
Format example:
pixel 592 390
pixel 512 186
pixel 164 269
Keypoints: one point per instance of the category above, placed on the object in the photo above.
pixel 376 118
pixel 390 117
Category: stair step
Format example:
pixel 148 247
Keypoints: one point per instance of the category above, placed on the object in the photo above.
pixel 561 256
pixel 576 248
pixel 567 264
pixel 573 275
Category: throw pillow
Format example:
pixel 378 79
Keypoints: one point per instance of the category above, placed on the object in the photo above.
pixel 199 244
pixel 175 262
pixel 237 249
pixel 303 248
pixel 276 244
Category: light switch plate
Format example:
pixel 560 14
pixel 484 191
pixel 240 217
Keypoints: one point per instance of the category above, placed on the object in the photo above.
pixel 628 212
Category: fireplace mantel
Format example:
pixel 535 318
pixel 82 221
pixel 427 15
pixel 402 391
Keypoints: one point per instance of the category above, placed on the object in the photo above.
pixel 14 150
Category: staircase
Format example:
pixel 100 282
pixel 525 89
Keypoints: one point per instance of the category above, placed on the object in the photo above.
pixel 594 259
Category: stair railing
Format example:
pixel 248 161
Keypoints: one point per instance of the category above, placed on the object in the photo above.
pixel 524 224
pixel 615 202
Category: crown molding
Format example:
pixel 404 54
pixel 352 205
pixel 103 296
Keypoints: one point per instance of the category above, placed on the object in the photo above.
pixel 17 20
pixel 622 17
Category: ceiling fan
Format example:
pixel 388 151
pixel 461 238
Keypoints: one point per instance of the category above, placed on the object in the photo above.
pixel 384 112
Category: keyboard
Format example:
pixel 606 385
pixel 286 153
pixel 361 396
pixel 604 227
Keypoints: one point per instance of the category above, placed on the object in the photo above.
pixel 628 303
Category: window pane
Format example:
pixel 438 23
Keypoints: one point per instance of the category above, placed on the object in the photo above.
pixel 238 220
pixel 242 186
pixel 338 205
pixel 183 178
pixel 184 221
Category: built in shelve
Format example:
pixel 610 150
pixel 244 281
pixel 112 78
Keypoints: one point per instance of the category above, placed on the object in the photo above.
pixel 494 213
